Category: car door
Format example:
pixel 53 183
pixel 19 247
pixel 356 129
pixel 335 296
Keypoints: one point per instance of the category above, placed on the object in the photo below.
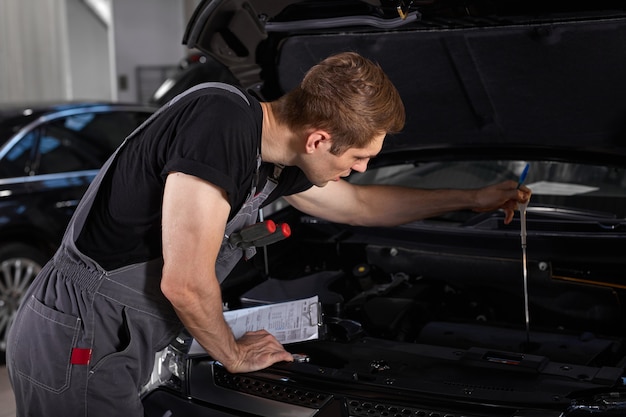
pixel 69 153
pixel 45 172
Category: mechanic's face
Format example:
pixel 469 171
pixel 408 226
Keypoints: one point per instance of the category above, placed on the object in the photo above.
pixel 329 167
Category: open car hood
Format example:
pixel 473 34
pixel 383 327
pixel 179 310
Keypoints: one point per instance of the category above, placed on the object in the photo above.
pixel 544 78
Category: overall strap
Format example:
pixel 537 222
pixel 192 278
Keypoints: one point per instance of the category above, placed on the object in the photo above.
pixel 78 219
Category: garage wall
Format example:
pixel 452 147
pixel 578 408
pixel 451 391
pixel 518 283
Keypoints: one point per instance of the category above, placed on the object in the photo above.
pixel 61 49
pixel 90 64
pixel 34 56
pixel 148 37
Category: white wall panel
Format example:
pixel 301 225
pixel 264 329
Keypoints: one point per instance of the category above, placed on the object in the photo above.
pixel 89 53
pixel 147 33
pixel 61 49
pixel 34 62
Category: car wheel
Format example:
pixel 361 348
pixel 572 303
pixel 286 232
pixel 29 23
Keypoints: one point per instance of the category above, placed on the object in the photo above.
pixel 19 264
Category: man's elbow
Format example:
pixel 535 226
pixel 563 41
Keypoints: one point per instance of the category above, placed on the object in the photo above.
pixel 177 292
pixel 187 289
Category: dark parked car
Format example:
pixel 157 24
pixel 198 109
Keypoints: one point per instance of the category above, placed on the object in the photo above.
pixel 49 153
pixel 459 315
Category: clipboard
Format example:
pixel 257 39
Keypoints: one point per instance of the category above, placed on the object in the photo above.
pixel 290 321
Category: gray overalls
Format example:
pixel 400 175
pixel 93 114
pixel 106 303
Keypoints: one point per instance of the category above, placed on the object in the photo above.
pixel 84 340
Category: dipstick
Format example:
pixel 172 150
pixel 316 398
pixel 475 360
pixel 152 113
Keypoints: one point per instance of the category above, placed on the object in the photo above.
pixel 522 211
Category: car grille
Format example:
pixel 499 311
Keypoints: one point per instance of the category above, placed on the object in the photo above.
pixel 270 390
pixel 316 399
pixel 360 408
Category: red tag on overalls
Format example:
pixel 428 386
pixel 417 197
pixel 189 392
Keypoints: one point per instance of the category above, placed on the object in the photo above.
pixel 80 356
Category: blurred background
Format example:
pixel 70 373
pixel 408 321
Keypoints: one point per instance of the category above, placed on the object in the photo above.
pixel 100 50
pixel 115 50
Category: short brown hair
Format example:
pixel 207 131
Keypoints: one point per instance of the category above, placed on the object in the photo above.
pixel 349 96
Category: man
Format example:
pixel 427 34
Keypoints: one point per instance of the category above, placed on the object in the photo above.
pixel 148 247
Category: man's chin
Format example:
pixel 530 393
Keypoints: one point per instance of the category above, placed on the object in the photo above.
pixel 322 182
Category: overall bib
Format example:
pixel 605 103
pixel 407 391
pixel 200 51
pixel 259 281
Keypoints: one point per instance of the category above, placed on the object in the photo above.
pixel 84 339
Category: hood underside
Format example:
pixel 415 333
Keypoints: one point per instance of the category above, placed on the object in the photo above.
pixel 533 81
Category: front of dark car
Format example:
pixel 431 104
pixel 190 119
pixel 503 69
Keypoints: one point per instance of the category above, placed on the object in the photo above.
pixel 459 315
pixel 428 319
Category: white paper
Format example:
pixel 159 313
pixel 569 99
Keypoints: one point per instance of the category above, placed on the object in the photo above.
pixel 290 321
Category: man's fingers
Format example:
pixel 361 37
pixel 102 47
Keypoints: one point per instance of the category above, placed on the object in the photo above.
pixel 523 194
pixel 259 349
pixel 508 216
pixel 283 356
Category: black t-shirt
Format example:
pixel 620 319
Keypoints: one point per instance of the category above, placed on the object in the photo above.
pixel 212 134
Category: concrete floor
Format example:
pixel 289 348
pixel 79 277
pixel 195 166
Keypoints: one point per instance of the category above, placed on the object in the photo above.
pixel 7 401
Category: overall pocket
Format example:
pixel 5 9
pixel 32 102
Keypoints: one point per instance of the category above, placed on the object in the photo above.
pixel 43 345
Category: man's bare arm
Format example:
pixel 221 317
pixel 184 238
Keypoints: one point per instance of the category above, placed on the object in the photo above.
pixel 194 218
pixel 381 205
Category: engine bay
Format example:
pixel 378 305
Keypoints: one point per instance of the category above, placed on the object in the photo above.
pixel 369 287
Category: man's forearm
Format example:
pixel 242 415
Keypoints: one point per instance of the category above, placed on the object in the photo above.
pixel 391 205
pixel 201 314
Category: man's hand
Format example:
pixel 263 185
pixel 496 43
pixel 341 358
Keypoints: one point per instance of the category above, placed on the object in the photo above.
pixel 504 196
pixel 257 350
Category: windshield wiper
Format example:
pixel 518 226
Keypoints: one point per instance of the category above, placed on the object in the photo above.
pixel 564 218
pixel 604 220
pixel 573 213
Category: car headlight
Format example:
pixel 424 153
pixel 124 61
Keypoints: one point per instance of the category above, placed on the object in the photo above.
pixel 170 366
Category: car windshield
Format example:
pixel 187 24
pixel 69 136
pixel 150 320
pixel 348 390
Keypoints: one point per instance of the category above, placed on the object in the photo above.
pixel 572 190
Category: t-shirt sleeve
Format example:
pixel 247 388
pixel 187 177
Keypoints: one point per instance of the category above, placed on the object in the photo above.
pixel 215 138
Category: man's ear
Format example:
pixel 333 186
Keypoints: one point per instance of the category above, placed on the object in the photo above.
pixel 318 139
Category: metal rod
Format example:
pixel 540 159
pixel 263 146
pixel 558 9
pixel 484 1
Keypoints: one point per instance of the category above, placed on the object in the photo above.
pixel 522 209
pixel 264 248
pixel 522 213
